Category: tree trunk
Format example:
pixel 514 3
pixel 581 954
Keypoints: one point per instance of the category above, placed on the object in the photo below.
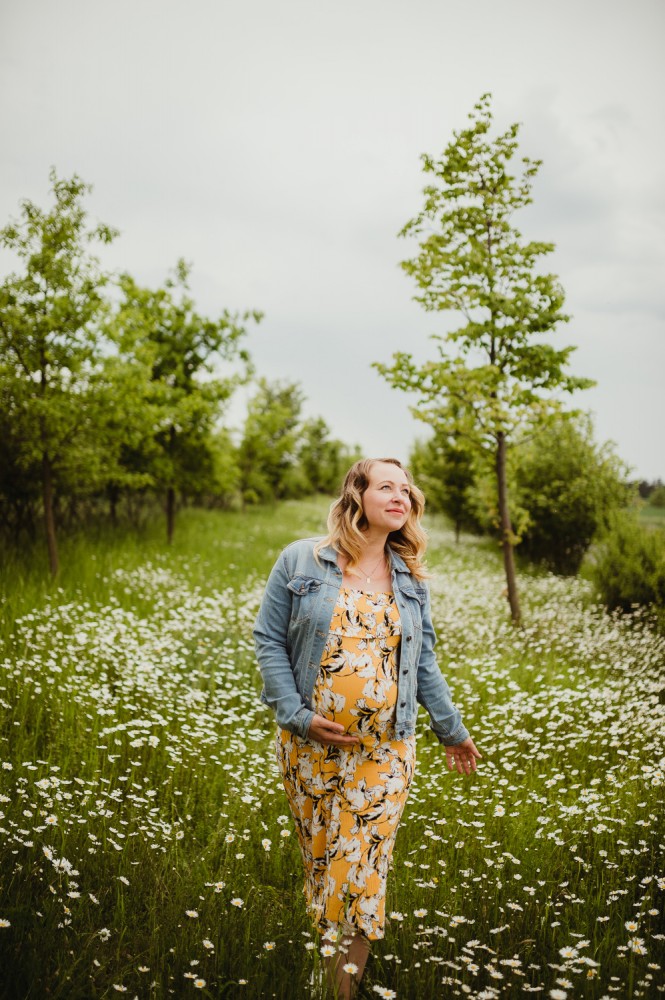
pixel 457 531
pixel 506 529
pixel 49 519
pixel 113 493
pixel 170 513
pixel 170 491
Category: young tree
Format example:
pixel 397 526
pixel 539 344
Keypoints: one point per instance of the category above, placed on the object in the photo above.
pixel 162 332
pixel 49 333
pixel 268 451
pixel 323 459
pixel 496 378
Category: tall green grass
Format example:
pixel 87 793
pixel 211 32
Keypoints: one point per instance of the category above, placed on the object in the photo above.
pixel 146 843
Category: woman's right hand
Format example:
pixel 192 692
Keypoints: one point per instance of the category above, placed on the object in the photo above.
pixel 463 756
pixel 330 733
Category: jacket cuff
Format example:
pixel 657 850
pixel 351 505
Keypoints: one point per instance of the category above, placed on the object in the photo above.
pixel 457 736
pixel 302 720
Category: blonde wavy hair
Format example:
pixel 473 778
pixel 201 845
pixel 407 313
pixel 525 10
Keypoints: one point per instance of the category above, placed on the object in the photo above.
pixel 346 520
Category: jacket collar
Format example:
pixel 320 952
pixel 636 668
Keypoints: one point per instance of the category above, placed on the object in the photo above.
pixel 330 555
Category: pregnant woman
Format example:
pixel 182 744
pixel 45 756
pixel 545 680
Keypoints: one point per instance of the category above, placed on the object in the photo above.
pixel 345 645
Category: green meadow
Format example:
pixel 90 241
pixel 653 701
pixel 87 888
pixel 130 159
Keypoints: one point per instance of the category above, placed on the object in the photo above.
pixel 146 843
pixel 652 517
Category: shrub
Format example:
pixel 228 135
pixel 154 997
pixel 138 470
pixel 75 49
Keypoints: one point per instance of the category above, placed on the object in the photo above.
pixel 567 488
pixel 657 497
pixel 628 566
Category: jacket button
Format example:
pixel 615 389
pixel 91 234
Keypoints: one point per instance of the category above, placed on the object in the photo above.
pixel 403 704
pixel 405 672
pixel 409 638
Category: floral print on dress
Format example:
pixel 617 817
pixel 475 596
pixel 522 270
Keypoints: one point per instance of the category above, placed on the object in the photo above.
pixel 347 801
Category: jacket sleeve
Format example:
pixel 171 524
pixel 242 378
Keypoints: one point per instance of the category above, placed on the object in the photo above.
pixel 270 640
pixel 433 692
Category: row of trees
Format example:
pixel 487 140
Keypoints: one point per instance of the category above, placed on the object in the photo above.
pixel 111 390
pixel 111 396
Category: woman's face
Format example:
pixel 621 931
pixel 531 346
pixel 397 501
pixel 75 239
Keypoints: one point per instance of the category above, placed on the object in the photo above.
pixel 387 499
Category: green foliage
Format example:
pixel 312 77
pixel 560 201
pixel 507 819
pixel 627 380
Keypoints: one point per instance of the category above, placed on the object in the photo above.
pixel 50 345
pixel 323 461
pixel 105 405
pixel 279 455
pixel 494 373
pixel 628 565
pixel 268 449
pixel 568 488
pixel 20 474
pixel 446 473
pixel 496 378
pixel 657 496
pixel 223 487
pixel 160 333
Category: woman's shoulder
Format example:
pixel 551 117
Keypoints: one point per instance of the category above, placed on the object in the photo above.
pixel 302 549
pixel 302 545
pixel 306 556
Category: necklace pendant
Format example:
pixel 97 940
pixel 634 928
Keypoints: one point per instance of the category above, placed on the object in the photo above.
pixel 368 579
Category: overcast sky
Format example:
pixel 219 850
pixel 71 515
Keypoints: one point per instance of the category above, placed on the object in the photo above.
pixel 275 144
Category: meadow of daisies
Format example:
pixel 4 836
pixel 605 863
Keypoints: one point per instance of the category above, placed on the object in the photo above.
pixel 146 843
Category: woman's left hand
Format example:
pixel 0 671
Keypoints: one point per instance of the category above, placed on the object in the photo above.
pixel 463 756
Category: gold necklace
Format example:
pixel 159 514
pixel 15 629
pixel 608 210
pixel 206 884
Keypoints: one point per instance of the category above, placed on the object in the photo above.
pixel 368 579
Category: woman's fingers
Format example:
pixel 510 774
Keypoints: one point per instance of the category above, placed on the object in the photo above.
pixel 463 756
pixel 326 731
pixel 333 727
pixel 465 765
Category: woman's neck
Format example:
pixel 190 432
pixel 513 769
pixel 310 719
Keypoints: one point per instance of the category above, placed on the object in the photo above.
pixel 372 566
pixel 374 545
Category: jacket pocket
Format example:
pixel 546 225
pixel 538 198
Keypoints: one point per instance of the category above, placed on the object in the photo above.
pixel 304 590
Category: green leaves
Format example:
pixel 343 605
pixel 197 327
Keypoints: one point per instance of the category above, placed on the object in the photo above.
pixel 48 316
pixel 159 332
pixel 99 397
pixel 571 489
pixel 472 261
pixel 496 376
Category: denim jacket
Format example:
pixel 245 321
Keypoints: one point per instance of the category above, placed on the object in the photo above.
pixel 291 631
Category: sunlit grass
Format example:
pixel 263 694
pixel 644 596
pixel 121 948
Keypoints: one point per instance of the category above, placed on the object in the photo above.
pixel 146 842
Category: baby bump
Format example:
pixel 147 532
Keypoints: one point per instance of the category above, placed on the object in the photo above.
pixel 362 700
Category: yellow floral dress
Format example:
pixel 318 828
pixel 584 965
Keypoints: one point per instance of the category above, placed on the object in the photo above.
pixel 347 801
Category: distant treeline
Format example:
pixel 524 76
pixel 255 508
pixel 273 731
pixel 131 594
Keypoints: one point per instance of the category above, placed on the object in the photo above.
pixel 114 403
pixel 113 395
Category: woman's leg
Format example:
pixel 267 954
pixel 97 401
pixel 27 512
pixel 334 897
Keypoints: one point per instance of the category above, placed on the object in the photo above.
pixel 353 953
